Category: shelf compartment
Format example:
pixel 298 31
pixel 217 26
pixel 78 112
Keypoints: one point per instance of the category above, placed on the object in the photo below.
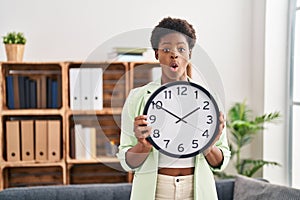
pixel 143 73
pixel 97 173
pixel 32 85
pixel 32 176
pixel 107 128
pixel 49 141
pixel 115 81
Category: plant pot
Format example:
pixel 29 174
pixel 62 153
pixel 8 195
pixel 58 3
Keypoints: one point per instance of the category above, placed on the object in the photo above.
pixel 14 52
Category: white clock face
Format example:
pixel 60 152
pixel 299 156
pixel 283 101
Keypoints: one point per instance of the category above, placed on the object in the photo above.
pixel 183 117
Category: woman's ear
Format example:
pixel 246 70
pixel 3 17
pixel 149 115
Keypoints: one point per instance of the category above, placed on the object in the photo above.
pixel 156 54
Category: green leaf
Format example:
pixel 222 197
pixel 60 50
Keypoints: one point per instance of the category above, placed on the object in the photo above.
pixel 14 38
pixel 250 167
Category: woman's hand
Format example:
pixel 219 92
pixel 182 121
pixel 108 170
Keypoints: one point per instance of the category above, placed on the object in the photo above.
pixel 138 153
pixel 141 130
pixel 213 154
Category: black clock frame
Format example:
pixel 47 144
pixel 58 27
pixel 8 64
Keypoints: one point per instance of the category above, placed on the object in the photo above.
pixel 167 85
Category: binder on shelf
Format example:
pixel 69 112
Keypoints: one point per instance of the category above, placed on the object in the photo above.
pixel 16 92
pixel 27 92
pixel 85 89
pixel 74 85
pixel 93 139
pixel 49 92
pixel 22 91
pixel 79 142
pixel 27 140
pixel 13 140
pixel 32 94
pixel 97 88
pixel 54 136
pixel 90 142
pixel 54 91
pixel 41 137
pixel 10 92
pixel 43 92
pixel 87 143
pixel 59 91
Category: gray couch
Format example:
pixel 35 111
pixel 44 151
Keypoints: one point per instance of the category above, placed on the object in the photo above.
pixel 240 188
pixel 117 191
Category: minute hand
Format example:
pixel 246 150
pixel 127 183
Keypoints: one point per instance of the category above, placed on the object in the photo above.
pixel 180 119
pixel 187 115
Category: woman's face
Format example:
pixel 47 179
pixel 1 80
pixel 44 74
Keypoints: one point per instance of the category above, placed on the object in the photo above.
pixel 173 54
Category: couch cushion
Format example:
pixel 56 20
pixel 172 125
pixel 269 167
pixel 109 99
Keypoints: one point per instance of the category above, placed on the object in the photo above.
pixel 120 191
pixel 225 189
pixel 248 188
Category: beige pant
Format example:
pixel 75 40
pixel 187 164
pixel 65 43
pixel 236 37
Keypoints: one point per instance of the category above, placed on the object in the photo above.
pixel 175 187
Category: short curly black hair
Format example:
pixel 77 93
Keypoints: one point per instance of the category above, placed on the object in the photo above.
pixel 173 25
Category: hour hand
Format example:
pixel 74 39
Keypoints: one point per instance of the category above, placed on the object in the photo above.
pixel 160 107
pixel 181 119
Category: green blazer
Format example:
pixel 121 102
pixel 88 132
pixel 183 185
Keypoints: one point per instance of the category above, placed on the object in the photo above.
pixel 145 176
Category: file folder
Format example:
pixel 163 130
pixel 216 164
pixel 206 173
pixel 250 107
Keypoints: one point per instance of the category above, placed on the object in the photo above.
pixel 74 88
pixel 27 140
pixel 13 140
pixel 97 88
pixel 54 137
pixel 85 90
pixel 41 138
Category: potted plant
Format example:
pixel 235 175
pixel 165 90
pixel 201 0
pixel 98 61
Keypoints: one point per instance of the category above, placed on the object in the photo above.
pixel 14 45
pixel 242 130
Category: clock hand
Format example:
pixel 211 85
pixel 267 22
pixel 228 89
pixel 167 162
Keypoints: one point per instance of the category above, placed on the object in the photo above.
pixel 187 115
pixel 160 107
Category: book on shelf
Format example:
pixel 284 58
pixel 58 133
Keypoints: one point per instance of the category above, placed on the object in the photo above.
pixel 86 88
pixel 127 54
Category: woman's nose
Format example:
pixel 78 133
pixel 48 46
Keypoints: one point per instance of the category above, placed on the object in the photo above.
pixel 174 55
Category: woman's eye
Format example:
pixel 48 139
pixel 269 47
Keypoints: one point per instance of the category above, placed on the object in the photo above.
pixel 166 50
pixel 181 49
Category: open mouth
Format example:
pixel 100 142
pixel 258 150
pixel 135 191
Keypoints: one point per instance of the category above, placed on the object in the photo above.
pixel 174 66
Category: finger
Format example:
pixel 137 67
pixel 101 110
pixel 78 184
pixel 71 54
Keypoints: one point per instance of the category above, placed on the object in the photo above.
pixel 221 117
pixel 142 131
pixel 140 120
pixel 140 117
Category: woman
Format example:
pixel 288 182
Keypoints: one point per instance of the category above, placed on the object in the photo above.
pixel 157 176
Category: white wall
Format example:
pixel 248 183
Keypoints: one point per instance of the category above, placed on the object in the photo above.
pixel 275 141
pixel 232 33
pixel 72 30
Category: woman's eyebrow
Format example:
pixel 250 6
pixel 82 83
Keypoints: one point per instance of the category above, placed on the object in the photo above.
pixel 171 43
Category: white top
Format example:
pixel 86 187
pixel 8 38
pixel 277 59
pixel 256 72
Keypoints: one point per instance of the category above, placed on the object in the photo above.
pixel 170 162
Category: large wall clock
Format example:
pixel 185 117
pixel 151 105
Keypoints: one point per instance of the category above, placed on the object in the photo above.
pixel 184 119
